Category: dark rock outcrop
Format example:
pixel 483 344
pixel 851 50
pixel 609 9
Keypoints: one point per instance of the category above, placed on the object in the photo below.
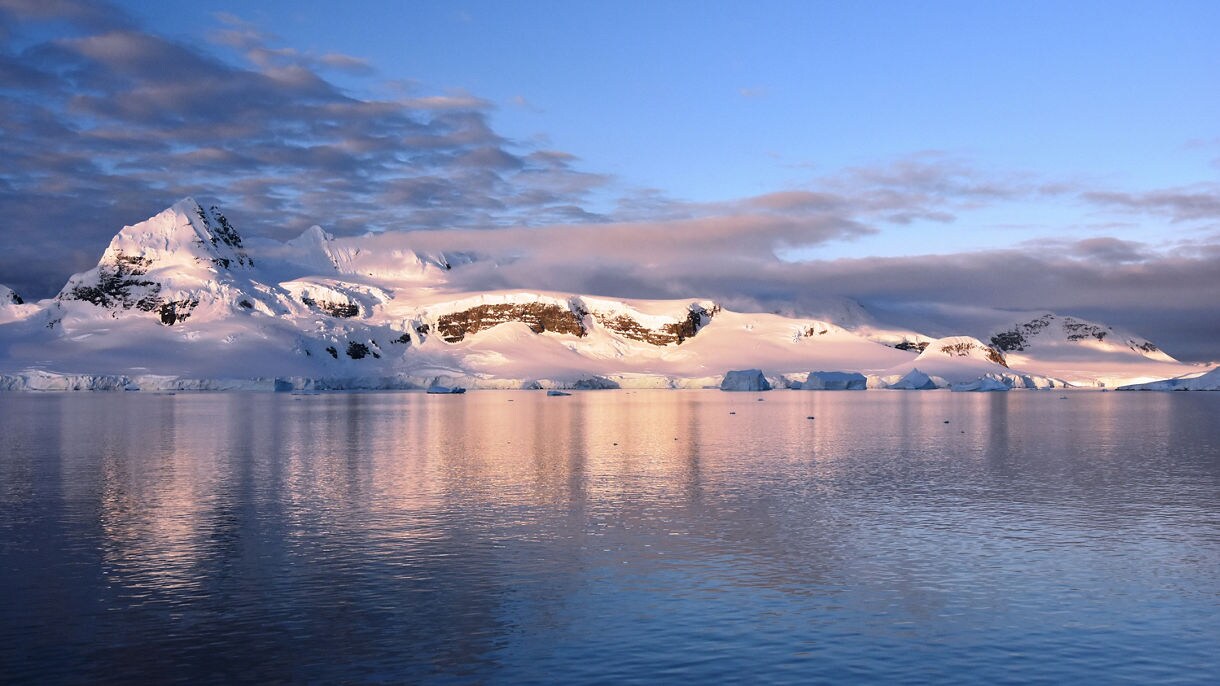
pixel 359 351
pixel 119 286
pixel 1017 338
pixel 342 310
pixel 673 333
pixel 177 311
pixel 595 383
pixel 963 349
pixel 1078 331
pixel 538 317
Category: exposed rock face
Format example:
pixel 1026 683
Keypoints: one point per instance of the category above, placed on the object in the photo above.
pixel 177 311
pixel 538 317
pixel 675 333
pixel 119 285
pixel 343 310
pixel 1078 331
pixel 1075 330
pixel 914 346
pixel 163 264
pixel 964 348
pixel 1017 338
pixel 358 351
pixel 222 231
pixel 1053 329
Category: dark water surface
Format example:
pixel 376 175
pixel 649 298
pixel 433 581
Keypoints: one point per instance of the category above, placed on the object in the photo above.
pixel 610 537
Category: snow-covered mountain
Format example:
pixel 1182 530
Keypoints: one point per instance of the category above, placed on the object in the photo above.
pixel 182 301
pixel 12 306
pixel 1075 348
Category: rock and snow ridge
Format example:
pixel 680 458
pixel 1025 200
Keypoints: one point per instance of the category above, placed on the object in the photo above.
pixel 1052 331
pixel 182 301
pixel 9 297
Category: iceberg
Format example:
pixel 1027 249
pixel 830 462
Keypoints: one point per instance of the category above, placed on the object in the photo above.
pixel 980 385
pixel 835 381
pixel 445 390
pixel 915 380
pixel 745 380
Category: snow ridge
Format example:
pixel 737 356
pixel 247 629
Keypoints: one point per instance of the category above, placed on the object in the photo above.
pixel 178 301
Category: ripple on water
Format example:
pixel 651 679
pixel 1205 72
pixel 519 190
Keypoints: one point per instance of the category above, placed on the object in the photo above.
pixel 618 537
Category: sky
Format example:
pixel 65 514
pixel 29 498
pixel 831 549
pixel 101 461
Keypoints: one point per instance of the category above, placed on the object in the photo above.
pixel 927 159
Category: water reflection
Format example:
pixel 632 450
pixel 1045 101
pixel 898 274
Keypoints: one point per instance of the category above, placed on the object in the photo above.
pixel 608 536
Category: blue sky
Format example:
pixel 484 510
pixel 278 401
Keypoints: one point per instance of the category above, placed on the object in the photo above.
pixel 1078 140
pixel 709 102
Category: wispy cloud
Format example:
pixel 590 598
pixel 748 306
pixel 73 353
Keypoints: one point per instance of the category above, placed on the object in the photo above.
pixel 109 122
pixel 1188 203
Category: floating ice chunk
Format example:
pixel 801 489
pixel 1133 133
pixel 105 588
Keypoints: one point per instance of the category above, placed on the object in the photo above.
pixel 445 390
pixel 915 380
pixel 835 381
pixel 745 380
pixel 981 384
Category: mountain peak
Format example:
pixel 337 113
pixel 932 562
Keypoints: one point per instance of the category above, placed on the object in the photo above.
pixel 962 347
pixel 1050 331
pixel 182 233
pixel 163 263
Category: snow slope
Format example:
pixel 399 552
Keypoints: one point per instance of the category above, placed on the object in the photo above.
pixel 1207 381
pixel 182 301
pixel 1086 352
pixel 964 361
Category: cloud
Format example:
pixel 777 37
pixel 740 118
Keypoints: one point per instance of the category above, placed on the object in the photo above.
pixel 1167 297
pixel 1109 250
pixel 1189 203
pixel 93 15
pixel 107 122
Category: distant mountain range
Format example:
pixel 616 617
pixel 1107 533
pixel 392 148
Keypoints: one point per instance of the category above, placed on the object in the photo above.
pixel 182 301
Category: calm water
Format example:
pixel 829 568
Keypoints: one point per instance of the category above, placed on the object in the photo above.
pixel 611 537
